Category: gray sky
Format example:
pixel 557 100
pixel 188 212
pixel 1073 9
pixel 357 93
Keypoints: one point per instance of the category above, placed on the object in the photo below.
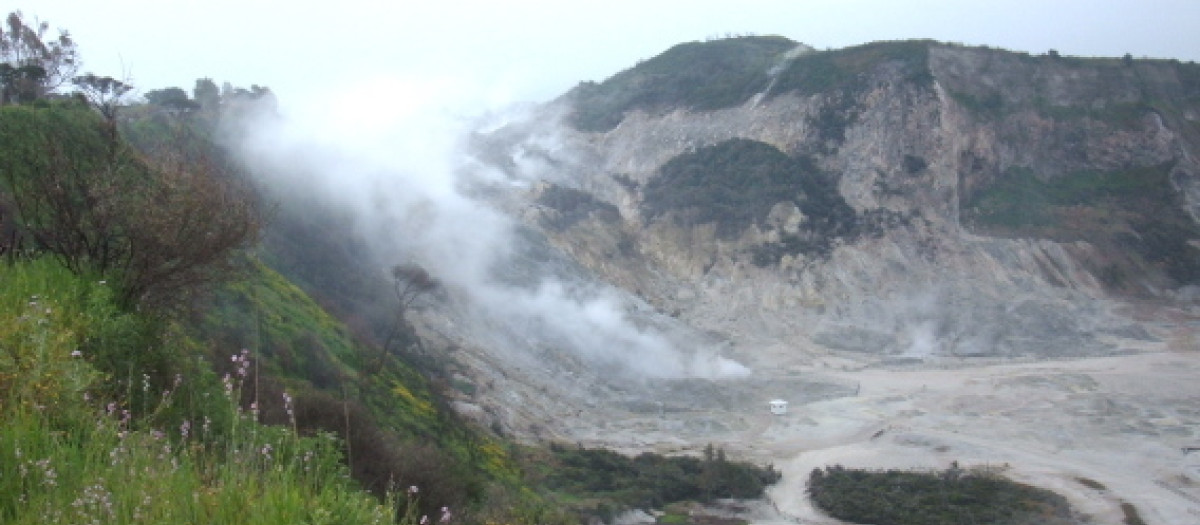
pixel 502 51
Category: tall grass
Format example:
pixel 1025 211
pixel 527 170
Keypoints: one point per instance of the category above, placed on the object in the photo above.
pixel 69 453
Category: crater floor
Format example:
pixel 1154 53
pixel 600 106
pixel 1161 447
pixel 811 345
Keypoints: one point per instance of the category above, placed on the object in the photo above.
pixel 1101 431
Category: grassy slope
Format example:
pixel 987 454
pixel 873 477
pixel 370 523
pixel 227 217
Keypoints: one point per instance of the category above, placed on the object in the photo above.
pixel 55 418
pixel 696 75
pixel 70 454
pixel 300 344
pixel 1136 213
pixel 382 408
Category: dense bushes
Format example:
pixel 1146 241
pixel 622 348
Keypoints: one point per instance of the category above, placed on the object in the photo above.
pixel 158 227
pixel 606 481
pixel 951 497
pixel 735 183
pixel 572 206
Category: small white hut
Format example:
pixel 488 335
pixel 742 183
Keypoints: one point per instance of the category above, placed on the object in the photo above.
pixel 778 407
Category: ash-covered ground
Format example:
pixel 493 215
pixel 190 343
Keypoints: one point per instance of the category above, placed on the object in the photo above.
pixel 1124 418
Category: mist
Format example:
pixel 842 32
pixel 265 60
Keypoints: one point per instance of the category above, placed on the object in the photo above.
pixel 389 154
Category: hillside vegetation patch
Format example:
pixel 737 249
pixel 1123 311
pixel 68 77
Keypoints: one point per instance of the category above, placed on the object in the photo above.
pixel 1121 208
pixel 695 75
pixel 734 184
pixel 849 68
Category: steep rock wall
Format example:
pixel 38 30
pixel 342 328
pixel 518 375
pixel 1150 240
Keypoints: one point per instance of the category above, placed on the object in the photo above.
pixel 924 277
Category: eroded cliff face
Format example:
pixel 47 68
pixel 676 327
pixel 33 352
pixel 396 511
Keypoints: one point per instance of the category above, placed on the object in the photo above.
pixel 948 257
pixel 923 205
pixel 933 253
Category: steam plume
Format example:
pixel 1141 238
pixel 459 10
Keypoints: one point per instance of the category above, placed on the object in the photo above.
pixel 399 170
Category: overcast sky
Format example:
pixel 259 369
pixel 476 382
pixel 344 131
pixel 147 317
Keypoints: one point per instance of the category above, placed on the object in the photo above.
pixel 535 50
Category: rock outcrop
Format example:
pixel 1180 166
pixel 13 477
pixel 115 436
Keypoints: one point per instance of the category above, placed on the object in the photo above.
pixel 993 192
pixel 936 202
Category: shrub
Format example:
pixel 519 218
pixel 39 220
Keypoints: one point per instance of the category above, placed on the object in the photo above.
pixel 950 497
pixel 609 481
pixel 158 227
pixel 734 184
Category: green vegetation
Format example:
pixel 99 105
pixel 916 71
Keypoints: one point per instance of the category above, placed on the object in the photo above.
pixel 573 206
pixel 394 413
pixel 951 497
pixel 841 75
pixel 159 229
pixel 600 483
pixel 74 451
pixel 992 105
pixel 1107 98
pixel 126 273
pixel 725 73
pixel 161 367
pixel 263 444
pixel 847 69
pixel 77 382
pixel 1121 114
pixel 735 184
pixel 1119 208
pixel 696 75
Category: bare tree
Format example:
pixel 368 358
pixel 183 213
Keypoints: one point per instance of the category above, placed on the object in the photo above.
pixel 409 283
pixel 186 229
pixel 32 63
pixel 103 93
pixel 106 95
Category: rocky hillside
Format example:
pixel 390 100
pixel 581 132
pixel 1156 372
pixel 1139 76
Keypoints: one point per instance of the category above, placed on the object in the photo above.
pixel 900 201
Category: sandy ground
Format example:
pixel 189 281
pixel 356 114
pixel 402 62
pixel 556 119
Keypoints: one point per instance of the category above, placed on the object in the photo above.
pixel 1122 422
pixel 1099 431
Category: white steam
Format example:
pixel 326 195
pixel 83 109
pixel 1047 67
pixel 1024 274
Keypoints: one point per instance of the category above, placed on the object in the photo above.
pixel 387 153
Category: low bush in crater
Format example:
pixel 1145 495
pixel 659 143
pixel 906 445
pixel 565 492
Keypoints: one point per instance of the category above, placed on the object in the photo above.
pixel 950 497
pixel 600 483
